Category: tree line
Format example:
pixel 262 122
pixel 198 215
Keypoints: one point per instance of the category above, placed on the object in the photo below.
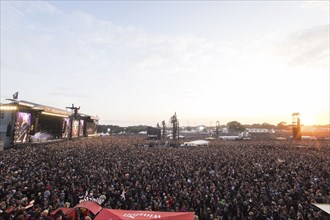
pixel 233 127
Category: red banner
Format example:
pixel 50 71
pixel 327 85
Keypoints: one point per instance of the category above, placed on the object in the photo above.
pixel 112 214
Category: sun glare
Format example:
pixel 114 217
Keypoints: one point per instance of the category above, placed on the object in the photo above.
pixel 308 120
pixel 319 119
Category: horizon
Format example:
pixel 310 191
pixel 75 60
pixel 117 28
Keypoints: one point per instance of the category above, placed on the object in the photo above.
pixel 134 63
pixel 221 125
pixel 211 124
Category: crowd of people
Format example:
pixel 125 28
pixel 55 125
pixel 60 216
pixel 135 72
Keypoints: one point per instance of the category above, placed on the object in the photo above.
pixel 225 180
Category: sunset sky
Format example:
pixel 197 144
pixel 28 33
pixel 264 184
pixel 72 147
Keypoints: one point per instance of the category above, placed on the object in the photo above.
pixel 138 62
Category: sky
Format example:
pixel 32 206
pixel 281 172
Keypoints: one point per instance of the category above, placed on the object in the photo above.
pixel 139 62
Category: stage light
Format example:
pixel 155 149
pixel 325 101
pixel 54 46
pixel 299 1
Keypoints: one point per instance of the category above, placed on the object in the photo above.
pixel 8 107
pixel 26 104
pixel 53 114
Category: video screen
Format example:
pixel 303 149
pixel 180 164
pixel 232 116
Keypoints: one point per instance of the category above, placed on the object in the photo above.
pixel 66 128
pixel 22 127
pixel 75 128
pixel 81 128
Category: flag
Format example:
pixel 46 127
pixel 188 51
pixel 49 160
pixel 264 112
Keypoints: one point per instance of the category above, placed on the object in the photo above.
pixel 15 95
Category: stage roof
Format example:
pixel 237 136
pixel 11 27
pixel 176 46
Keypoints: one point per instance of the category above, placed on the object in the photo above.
pixel 46 109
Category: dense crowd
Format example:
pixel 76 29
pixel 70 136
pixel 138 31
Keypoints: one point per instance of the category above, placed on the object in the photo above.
pixel 225 180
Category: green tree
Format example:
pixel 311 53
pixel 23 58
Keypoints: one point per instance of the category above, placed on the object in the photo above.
pixel 235 127
pixel 255 126
pixel 101 128
pixel 267 126
pixel 283 126
pixel 136 129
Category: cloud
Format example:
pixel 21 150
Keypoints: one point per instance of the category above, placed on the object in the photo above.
pixel 319 5
pixel 309 48
pixel 65 92
pixel 183 55
pixel 79 47
pixel 83 44
pixel 13 13
pixel 66 47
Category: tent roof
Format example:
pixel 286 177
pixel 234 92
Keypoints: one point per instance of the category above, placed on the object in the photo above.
pixel 91 206
pixel 196 143
pixel 324 207
pixel 142 215
pixel 64 210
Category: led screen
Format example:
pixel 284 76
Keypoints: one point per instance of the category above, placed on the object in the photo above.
pixel 22 127
pixel 81 128
pixel 75 128
pixel 66 127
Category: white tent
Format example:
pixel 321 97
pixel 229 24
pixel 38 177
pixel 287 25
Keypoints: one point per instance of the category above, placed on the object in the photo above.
pixel 324 207
pixel 196 143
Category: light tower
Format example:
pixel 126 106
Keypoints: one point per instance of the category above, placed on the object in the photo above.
pixel 174 120
pixel 73 117
pixel 164 129
pixel 217 128
pixel 296 129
